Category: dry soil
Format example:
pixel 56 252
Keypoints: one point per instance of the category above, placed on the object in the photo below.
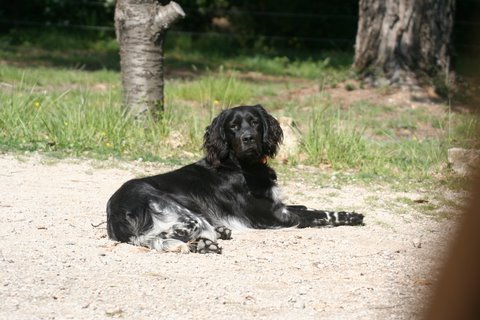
pixel 55 264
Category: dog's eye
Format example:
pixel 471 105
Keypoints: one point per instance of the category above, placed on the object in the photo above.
pixel 234 127
pixel 254 122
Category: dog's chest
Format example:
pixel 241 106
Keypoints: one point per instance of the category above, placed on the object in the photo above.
pixel 260 184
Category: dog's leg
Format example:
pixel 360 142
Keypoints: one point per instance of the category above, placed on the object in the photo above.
pixel 198 235
pixel 160 243
pixel 315 218
pixel 181 237
pixel 223 233
pixel 203 245
pixel 187 234
pixel 171 245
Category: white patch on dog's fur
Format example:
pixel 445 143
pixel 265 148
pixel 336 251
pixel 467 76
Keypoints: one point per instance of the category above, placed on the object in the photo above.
pixel 207 231
pixel 150 238
pixel 234 223
pixel 171 245
pixel 169 216
pixel 164 222
pixel 276 194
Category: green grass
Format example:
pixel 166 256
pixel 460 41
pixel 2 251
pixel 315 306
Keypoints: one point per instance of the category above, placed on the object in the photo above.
pixel 333 138
pixel 337 138
pixel 212 89
pixel 81 122
pixel 67 101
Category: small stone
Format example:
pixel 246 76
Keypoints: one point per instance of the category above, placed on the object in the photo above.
pixel 299 305
pixel 417 243
pixel 291 138
pixel 113 312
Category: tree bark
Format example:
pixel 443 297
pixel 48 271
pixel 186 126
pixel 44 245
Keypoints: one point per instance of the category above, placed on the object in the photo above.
pixel 404 41
pixel 140 27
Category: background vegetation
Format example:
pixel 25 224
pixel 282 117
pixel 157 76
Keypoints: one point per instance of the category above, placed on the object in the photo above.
pixel 60 89
pixel 266 25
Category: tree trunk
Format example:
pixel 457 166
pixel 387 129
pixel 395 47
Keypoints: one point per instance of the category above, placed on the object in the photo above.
pixel 404 41
pixel 140 27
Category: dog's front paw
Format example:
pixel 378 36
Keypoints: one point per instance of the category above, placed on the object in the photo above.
pixel 356 218
pixel 206 246
pixel 223 233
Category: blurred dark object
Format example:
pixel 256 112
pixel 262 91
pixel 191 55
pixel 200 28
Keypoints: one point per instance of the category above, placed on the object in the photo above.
pixel 457 295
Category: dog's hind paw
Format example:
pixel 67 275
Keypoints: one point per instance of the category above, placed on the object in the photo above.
pixel 205 246
pixel 223 233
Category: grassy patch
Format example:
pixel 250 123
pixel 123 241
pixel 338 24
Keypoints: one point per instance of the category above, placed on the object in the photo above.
pixel 74 107
pixel 212 89
pixel 332 138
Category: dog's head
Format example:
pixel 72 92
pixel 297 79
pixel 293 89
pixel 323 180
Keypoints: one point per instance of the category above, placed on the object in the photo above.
pixel 247 133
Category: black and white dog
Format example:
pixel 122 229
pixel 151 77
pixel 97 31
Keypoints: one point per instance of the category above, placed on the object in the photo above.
pixel 188 209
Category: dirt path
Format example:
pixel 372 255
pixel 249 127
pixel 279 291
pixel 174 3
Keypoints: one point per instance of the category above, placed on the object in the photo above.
pixel 54 264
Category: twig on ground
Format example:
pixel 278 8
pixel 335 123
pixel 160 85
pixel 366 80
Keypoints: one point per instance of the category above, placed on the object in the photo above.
pixel 98 225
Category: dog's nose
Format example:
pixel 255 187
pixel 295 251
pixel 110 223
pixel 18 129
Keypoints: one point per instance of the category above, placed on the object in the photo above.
pixel 247 138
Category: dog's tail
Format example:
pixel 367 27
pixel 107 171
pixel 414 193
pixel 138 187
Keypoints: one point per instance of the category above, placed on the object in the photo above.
pixel 311 217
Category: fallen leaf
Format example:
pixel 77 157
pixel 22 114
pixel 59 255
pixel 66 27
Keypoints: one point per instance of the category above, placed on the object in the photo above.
pixel 423 282
pixel 420 201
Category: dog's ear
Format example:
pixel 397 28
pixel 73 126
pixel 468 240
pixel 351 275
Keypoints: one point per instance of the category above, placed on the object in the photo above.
pixel 272 132
pixel 214 142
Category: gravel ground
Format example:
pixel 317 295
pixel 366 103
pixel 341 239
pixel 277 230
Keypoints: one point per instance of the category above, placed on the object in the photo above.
pixel 54 264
